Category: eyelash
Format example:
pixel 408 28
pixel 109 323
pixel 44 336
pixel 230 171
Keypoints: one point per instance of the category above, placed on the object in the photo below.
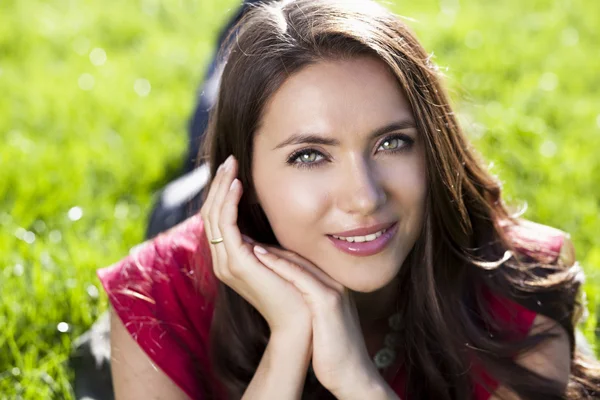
pixel 292 160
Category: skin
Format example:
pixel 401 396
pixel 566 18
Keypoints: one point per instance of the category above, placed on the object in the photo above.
pixel 356 183
pixel 357 179
pixel 339 299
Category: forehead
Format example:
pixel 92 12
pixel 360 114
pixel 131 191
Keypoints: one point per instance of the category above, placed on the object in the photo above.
pixel 346 96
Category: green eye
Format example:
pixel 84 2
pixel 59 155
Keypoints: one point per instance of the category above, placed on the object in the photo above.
pixel 394 143
pixel 391 144
pixel 307 157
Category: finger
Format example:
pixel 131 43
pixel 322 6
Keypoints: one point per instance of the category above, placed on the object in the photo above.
pixel 217 249
pixel 238 248
pixel 227 175
pixel 315 292
pixel 211 190
pixel 229 214
pixel 206 207
pixel 234 243
pixel 219 257
pixel 306 264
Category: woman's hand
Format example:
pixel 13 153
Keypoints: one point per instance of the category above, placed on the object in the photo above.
pixel 234 263
pixel 340 358
pixel 294 296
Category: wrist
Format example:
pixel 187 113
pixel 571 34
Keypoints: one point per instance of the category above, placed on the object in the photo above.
pixel 291 335
pixel 291 344
pixel 380 390
pixel 282 369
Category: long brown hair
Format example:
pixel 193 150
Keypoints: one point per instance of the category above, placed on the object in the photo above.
pixel 464 245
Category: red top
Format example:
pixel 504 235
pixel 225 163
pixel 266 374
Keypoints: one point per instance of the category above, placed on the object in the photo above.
pixel 164 293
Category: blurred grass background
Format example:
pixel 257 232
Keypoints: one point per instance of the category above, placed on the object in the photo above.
pixel 94 104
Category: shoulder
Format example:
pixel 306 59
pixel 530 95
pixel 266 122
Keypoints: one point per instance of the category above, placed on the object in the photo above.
pixel 550 278
pixel 163 295
pixel 550 258
pixel 175 264
pixel 540 243
pixel 550 359
pixel 130 365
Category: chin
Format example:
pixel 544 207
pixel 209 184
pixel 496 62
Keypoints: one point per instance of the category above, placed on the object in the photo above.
pixel 370 284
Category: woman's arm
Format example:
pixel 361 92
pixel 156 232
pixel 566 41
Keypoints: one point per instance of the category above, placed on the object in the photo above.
pixel 280 374
pixel 551 359
pixel 282 369
pixel 133 373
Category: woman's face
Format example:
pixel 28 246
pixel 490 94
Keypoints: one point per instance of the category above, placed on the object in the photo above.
pixel 337 150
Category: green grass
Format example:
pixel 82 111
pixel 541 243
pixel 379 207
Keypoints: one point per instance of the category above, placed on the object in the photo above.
pixel 523 74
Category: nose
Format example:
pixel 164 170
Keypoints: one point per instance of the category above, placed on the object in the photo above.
pixel 360 189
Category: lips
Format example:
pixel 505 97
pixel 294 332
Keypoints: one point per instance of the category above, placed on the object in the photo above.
pixel 366 230
pixel 363 249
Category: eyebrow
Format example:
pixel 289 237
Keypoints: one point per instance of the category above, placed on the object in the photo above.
pixel 312 138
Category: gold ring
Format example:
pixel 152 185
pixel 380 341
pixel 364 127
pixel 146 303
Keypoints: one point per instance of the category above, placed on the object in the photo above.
pixel 217 240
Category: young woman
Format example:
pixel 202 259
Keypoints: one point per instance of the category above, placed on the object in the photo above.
pixel 351 244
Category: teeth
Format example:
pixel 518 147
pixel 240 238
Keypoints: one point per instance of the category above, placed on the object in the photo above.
pixel 360 239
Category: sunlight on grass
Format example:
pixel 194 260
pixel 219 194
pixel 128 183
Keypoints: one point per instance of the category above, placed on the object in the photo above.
pixel 94 117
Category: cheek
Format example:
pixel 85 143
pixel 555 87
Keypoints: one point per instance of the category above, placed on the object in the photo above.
pixel 413 189
pixel 407 181
pixel 293 205
pixel 408 191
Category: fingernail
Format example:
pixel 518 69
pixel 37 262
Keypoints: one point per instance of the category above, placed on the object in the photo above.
pixel 228 163
pixel 247 239
pixel 233 184
pixel 260 250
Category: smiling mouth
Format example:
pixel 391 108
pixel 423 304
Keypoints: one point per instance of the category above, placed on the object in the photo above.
pixel 367 245
pixel 361 239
